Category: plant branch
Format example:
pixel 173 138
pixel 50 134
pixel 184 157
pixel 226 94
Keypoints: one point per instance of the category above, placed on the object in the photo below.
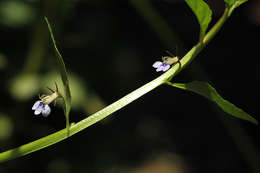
pixel 62 134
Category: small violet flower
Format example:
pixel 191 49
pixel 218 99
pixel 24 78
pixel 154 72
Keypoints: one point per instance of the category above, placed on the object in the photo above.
pixel 166 63
pixel 40 107
pixel 161 66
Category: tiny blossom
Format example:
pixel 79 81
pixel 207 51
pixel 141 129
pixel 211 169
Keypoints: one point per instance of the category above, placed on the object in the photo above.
pixel 161 66
pixel 40 107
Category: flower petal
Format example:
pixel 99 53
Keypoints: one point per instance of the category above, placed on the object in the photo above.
pixel 38 110
pixel 160 68
pixel 46 110
pixel 157 64
pixel 165 68
pixel 36 105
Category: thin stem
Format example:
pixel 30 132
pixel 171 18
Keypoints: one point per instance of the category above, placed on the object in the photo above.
pixel 73 129
pixel 214 30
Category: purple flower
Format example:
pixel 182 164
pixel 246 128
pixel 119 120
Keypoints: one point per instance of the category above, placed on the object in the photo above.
pixel 40 107
pixel 161 66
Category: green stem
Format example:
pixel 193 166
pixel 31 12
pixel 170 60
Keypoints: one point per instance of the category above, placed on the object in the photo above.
pixel 214 30
pixel 62 134
pixel 73 129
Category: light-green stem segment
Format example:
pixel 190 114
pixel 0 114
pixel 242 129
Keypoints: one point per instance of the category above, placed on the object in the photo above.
pixel 75 128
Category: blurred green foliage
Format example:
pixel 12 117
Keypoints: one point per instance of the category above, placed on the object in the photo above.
pixel 109 49
pixel 16 13
pixel 6 127
pixel 24 86
pixel 3 62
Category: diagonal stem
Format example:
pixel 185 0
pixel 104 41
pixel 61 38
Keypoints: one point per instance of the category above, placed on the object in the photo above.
pixel 75 128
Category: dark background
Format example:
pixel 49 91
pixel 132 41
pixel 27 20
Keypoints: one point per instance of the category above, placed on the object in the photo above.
pixel 109 47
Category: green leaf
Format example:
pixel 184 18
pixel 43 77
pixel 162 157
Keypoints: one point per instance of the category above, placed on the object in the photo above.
pixel 206 90
pixel 232 4
pixel 203 14
pixel 64 77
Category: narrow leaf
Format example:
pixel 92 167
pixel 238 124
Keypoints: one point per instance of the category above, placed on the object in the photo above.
pixel 203 14
pixel 206 90
pixel 64 77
